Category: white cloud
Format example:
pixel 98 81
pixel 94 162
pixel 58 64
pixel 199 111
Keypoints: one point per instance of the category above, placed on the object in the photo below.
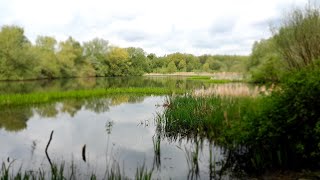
pixel 166 26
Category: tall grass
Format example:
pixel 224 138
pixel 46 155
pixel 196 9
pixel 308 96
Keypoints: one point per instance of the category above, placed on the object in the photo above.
pixel 210 117
pixel 35 98
pixel 58 172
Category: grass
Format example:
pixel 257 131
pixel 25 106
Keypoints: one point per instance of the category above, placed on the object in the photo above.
pixel 211 117
pixel 58 172
pixel 36 97
pixel 208 79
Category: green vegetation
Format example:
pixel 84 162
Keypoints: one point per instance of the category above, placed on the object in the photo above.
pixel 208 79
pixel 178 62
pixel 280 131
pixel 210 117
pixel 58 172
pixel 49 59
pixel 35 98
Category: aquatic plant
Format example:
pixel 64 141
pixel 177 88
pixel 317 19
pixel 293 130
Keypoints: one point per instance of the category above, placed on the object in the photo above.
pixel 41 97
pixel 60 172
pixel 208 79
pixel 209 117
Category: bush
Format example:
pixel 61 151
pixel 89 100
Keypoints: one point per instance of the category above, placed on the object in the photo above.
pixel 287 131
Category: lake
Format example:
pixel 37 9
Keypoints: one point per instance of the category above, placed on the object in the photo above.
pixel 119 132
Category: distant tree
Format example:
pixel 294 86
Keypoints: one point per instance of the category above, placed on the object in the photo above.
pixel 151 56
pixel 193 63
pixel 15 60
pixel 182 66
pixel 47 63
pixel 139 62
pixel 70 57
pixel 118 59
pixel 46 43
pixel 95 51
pixel 206 67
pixel 264 63
pixel 171 67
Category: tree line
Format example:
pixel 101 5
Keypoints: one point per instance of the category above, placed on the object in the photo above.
pixel 48 59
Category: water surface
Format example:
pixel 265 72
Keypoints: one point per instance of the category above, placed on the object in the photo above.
pixel 118 130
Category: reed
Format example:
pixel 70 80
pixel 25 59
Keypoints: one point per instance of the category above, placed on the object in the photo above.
pixel 211 117
pixel 59 172
pixel 37 97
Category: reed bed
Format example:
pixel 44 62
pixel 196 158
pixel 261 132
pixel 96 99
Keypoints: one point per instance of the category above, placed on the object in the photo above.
pixel 40 97
pixel 234 90
pixel 210 117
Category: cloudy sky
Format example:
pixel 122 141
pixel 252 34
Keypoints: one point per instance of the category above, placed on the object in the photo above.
pixel 157 26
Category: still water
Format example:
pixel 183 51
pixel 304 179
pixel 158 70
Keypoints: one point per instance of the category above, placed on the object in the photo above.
pixel 118 131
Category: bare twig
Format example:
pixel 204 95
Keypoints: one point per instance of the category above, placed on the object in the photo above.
pixel 48 147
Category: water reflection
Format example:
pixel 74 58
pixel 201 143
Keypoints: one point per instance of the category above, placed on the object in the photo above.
pixel 15 119
pixel 114 137
pixel 89 83
pixel 117 131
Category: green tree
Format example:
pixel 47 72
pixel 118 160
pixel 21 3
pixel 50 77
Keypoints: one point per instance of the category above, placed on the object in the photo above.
pixel 95 51
pixel 182 66
pixel 139 62
pixel 15 60
pixel 171 67
pixel 47 63
pixel 206 67
pixel 70 58
pixel 298 37
pixel 118 59
pixel 264 63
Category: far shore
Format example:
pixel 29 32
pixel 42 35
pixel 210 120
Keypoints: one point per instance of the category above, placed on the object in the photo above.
pixel 216 75
pixel 192 74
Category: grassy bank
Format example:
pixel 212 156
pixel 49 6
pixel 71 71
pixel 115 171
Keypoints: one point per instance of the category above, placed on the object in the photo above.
pixel 208 79
pixel 36 98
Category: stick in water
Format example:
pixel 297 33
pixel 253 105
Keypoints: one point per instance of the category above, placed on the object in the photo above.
pixel 84 153
pixel 48 147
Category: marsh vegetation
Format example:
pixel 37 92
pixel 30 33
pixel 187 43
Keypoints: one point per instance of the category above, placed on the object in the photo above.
pixel 160 127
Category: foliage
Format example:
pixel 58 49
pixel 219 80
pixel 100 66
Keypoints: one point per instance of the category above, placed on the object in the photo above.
pixel 15 61
pixel 277 131
pixel 298 37
pixel 49 59
pixel 264 63
pixel 34 98
pixel 288 128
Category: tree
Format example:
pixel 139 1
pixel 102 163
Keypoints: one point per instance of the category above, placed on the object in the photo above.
pixel 298 37
pixel 171 67
pixel 95 51
pixel 206 67
pixel 139 62
pixel 45 57
pixel 182 66
pixel 264 63
pixel 118 60
pixel 193 63
pixel 70 58
pixel 15 60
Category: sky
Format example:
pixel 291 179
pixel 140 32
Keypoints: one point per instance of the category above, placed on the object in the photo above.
pixel 158 26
